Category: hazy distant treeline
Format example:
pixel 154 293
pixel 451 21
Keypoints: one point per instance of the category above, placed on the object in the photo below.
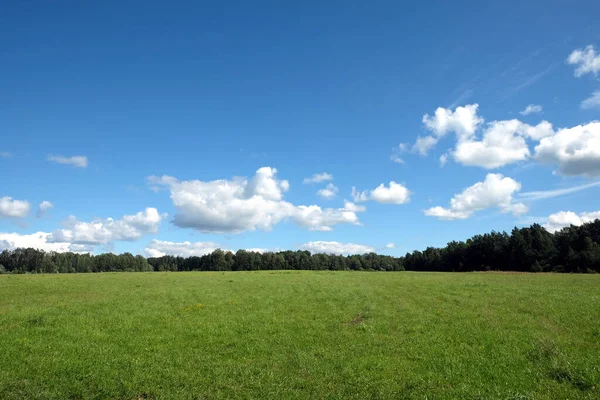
pixel 573 249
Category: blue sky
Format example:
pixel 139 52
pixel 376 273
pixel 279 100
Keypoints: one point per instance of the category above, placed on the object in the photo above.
pixel 200 93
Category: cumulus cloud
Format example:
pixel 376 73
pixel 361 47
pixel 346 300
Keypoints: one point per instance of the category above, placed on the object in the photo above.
pixel 395 193
pixel 496 191
pixel 76 161
pixel 463 121
pixel 592 102
pixel 531 109
pixel 44 207
pixel 576 150
pixel 106 231
pixel 503 143
pixel 241 205
pixel 317 178
pixel 38 240
pixel 10 208
pixel 563 219
pixel 159 248
pixel 586 60
pixel 328 192
pixel 337 248
pixel 500 142
pixel 390 245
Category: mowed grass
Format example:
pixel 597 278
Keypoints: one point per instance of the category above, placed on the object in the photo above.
pixel 292 335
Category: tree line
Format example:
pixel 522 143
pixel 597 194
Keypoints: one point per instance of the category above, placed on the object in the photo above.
pixel 532 249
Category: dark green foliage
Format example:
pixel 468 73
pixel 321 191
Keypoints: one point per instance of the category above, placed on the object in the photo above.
pixel 532 249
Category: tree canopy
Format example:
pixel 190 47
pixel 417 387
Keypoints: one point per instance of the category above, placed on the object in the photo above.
pixel 531 249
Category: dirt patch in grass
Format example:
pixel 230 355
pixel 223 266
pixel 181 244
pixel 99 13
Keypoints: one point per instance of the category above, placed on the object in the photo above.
pixel 359 319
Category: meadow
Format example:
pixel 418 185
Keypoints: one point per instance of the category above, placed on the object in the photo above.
pixel 300 335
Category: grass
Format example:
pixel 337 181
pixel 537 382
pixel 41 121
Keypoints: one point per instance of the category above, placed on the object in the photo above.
pixel 293 335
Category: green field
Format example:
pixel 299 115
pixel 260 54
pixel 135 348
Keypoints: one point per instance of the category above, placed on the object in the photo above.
pixel 288 334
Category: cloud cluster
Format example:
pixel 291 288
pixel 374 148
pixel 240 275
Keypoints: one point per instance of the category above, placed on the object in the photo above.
pixel 496 191
pixel 10 208
pixel 395 193
pixel 38 240
pixel 576 150
pixel 586 60
pixel 241 205
pixel 502 143
pixel 106 231
pixel 337 248
pixel 564 219
pixel 76 161
pixel 464 121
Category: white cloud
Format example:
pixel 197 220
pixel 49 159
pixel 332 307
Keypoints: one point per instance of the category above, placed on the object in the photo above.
pixel 395 193
pixel 349 206
pixel 316 219
pixel 317 178
pixel 424 144
pixel 443 159
pixel 38 240
pixel 10 208
pixel 159 248
pixel 586 60
pixel 496 191
pixel 76 161
pixel 503 143
pixel 240 205
pixel 592 102
pixel 44 207
pixel 5 154
pixel 576 150
pixel 106 231
pixel 359 196
pixel 463 121
pixel 563 219
pixel 531 109
pixel 548 194
pixel 390 245
pixel 328 192
pixel 395 158
pixel 337 248
pixel 260 250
